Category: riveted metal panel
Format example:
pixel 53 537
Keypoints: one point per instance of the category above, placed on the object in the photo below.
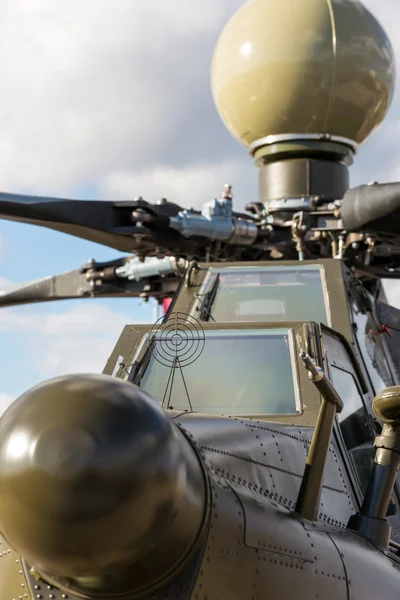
pixel 370 573
pixel 233 569
pixel 13 583
pixel 268 459
pixel 178 588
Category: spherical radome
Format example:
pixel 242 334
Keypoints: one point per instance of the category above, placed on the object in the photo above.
pixel 80 458
pixel 303 67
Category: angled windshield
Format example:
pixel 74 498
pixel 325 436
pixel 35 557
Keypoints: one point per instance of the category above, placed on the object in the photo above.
pixel 237 372
pixel 237 294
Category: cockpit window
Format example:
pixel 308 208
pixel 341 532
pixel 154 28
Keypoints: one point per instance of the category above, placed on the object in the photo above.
pixel 239 372
pixel 235 294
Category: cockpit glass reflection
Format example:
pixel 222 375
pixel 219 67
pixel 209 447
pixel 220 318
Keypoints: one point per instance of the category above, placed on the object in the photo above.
pixel 241 372
pixel 236 294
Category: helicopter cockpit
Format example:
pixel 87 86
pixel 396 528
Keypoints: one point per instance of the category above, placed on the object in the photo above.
pixel 238 321
pixel 323 292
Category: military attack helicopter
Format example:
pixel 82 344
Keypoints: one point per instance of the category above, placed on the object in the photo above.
pixel 246 445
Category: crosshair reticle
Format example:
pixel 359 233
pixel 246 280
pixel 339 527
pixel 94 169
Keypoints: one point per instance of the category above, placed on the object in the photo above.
pixel 177 340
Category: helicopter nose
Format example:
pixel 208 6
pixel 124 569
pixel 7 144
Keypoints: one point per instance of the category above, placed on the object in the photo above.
pixel 93 474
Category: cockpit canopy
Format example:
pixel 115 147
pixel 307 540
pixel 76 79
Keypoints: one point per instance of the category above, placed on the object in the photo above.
pixel 252 320
pixel 273 293
pixel 246 370
pixel 225 376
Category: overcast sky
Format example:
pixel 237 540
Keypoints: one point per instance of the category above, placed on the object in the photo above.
pixel 111 99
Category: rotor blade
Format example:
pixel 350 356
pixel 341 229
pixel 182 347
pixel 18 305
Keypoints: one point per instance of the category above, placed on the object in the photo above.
pixel 59 287
pixel 92 220
pixel 109 223
pixel 77 285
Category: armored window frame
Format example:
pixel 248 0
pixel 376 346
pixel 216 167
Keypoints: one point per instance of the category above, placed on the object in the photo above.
pixel 334 290
pixel 129 351
pixel 346 360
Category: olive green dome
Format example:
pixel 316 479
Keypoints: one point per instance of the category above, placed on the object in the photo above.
pixel 302 67
pixel 95 483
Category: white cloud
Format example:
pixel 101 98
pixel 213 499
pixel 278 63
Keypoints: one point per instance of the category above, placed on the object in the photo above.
pixel 94 87
pixel 190 185
pixel 379 158
pixel 75 341
pixel 78 320
pixel 4 283
pixel 5 401
pixel 105 93
pixel 392 289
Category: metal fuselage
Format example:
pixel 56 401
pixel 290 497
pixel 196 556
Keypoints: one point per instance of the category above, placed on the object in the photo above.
pixel 256 544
